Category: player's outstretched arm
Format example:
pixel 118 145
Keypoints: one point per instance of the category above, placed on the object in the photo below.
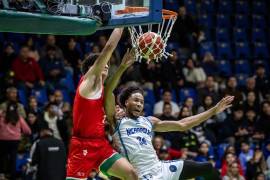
pixel 92 78
pixel 189 122
pixel 113 81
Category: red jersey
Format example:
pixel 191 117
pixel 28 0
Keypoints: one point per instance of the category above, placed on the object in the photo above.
pixel 88 116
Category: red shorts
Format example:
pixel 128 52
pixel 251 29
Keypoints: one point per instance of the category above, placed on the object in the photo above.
pixel 88 154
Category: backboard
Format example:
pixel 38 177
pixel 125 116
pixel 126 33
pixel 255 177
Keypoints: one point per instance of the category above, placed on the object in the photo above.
pixel 76 17
pixel 152 12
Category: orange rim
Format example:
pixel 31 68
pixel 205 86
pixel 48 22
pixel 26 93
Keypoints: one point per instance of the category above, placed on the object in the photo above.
pixel 166 14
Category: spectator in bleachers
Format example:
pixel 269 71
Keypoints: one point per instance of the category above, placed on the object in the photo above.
pixel 7 58
pixel 63 108
pixel 234 127
pixel 209 65
pixel 252 102
pixel 53 68
pixel 185 29
pixel 52 120
pixel 172 137
pixel 132 74
pixel 172 75
pixel 251 86
pixel 203 153
pixel 72 56
pixel 49 155
pixel 12 126
pixel 33 105
pixel 164 152
pixel 27 71
pixel 33 52
pixel 12 96
pixel 210 89
pixel 228 160
pixel 51 41
pixel 233 173
pixel 256 165
pixel 166 98
pixel 245 155
pixel 251 120
pixel 194 75
pixel 232 90
pixel 262 81
pixel 190 104
pixel 34 122
pixel 212 124
pixel 263 124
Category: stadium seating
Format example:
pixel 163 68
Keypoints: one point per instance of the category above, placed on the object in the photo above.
pixel 222 35
pixel 224 51
pixel 242 50
pixel 260 50
pixel 258 35
pixel 242 67
pixel 206 47
pixel 241 7
pixel 241 21
pixel 225 68
pixel 41 95
pixel 240 35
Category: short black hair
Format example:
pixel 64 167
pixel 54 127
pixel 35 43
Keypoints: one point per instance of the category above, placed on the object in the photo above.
pixel 88 62
pixel 127 92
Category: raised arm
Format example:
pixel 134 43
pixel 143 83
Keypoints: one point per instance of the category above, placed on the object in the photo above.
pixel 127 61
pixel 189 122
pixel 92 81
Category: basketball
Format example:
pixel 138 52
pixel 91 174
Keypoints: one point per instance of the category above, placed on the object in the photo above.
pixel 150 45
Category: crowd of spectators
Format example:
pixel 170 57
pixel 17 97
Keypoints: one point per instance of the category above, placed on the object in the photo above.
pixel 39 74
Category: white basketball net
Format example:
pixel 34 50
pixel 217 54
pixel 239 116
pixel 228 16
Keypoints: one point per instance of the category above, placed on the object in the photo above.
pixel 164 30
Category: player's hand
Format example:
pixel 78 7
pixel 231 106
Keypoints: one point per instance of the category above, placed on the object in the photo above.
pixel 129 58
pixel 119 112
pixel 224 103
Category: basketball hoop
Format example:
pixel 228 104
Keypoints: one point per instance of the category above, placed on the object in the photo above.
pixel 163 31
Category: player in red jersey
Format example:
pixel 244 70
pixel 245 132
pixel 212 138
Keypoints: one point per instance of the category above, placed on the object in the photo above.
pixel 89 149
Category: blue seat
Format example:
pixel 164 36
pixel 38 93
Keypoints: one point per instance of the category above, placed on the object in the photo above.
pixel 148 109
pixel 222 35
pixel 149 96
pixel 206 20
pixel 241 7
pixel 225 68
pixel 242 50
pixel 239 35
pixel 16 38
pixel 206 47
pixel 260 50
pixel 173 45
pixel 224 51
pixel 258 7
pixel 258 21
pixel 241 79
pixel 258 35
pixel 184 93
pixel 225 6
pixel 41 95
pixel 66 96
pixel 22 97
pixel 88 47
pixel 191 6
pixel 223 21
pixel 68 82
pixel 242 67
pixel 241 21
pixel 207 6
pixel 171 5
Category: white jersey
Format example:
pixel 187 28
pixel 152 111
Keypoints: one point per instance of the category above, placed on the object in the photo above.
pixel 133 138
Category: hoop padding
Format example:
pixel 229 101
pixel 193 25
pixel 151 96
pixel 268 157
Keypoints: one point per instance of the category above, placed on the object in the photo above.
pixel 164 30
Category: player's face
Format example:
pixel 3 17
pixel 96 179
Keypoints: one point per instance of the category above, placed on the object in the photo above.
pixel 134 104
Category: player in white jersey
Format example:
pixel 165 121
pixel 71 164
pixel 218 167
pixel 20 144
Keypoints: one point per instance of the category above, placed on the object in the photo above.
pixel 134 134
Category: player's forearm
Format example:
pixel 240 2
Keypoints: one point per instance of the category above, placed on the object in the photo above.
pixel 109 96
pixel 195 120
pixel 114 38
